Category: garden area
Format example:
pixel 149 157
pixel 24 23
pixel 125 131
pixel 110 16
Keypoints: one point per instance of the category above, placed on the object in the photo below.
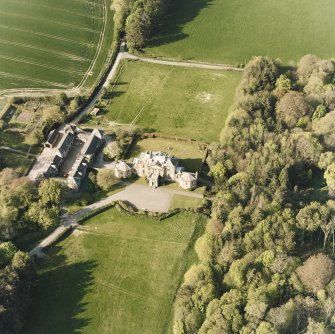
pixel 19 162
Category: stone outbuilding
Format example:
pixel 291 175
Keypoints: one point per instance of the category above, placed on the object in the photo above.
pixel 123 170
pixel 188 180
pixel 95 112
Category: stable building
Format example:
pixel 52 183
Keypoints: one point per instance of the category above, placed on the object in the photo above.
pixel 86 156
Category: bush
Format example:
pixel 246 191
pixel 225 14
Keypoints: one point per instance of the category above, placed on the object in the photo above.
pixel 112 150
pixel 106 179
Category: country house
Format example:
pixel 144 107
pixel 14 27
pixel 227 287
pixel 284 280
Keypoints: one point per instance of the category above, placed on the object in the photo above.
pixel 157 167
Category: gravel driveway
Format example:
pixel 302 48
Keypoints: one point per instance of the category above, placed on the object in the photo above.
pixel 143 197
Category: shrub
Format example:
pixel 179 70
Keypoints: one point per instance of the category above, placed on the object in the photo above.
pixel 112 150
pixel 106 179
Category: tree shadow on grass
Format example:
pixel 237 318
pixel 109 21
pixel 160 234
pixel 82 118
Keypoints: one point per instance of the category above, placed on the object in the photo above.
pixel 57 301
pixel 180 13
pixel 115 93
pixel 191 165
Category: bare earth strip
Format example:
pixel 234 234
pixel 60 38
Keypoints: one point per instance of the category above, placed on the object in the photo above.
pixel 48 36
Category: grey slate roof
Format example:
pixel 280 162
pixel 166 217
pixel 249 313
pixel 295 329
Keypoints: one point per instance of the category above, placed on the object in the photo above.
pixel 93 143
pixel 78 172
pixel 122 166
pixel 53 136
pixel 66 142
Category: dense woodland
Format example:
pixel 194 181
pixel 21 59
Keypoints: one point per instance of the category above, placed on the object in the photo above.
pixel 138 19
pixel 26 208
pixel 17 275
pixel 266 258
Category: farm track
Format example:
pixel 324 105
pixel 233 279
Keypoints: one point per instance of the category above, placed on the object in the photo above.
pixel 89 45
pixel 122 55
pixel 99 46
pixel 194 64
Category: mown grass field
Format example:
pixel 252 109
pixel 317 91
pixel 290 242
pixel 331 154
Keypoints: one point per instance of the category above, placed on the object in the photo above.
pixel 119 276
pixel 185 102
pixel 232 31
pixel 52 43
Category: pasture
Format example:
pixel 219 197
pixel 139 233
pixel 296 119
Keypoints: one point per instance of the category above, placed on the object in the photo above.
pixel 53 44
pixel 232 31
pixel 116 274
pixel 190 103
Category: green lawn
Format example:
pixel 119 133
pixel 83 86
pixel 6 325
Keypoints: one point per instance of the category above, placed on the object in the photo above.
pixel 52 43
pixel 189 155
pixel 118 275
pixel 232 31
pixel 15 139
pixel 20 162
pixel 186 102
pixel 183 202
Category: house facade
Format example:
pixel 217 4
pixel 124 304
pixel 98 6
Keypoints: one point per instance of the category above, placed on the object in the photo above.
pixel 157 167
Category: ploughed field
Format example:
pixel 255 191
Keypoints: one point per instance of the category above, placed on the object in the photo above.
pixel 54 44
pixel 232 31
pixel 116 274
